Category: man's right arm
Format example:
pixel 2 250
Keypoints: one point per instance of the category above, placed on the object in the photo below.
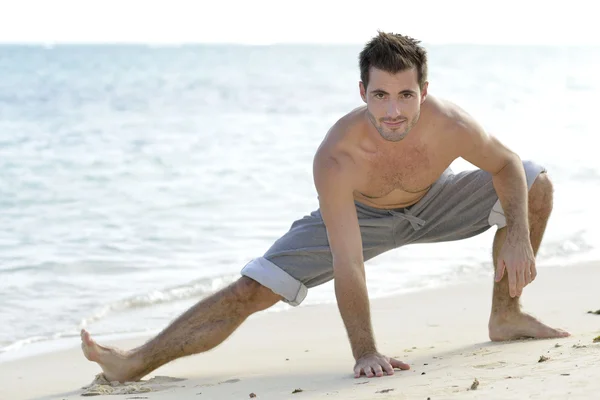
pixel 335 189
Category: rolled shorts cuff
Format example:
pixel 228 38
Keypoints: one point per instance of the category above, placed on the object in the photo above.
pixel 532 171
pixel 280 282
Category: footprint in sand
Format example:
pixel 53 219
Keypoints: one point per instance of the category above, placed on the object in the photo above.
pixel 163 379
pixel 230 381
pixel 220 383
pixel 100 386
pixel 494 365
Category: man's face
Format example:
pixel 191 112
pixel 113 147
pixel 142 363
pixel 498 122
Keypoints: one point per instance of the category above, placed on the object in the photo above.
pixel 393 102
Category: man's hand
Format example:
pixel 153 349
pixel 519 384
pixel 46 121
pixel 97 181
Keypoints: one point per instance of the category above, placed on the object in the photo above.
pixel 374 364
pixel 517 258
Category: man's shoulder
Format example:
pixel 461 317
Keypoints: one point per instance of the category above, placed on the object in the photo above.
pixel 335 157
pixel 351 121
pixel 445 110
pixel 342 134
pixel 446 115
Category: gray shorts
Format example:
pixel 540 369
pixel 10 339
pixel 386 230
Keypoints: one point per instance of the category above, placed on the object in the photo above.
pixel 457 206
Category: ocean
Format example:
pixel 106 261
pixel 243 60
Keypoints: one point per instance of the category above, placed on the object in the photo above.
pixel 136 180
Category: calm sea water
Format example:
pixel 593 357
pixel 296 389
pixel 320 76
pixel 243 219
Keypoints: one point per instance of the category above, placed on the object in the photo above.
pixel 136 180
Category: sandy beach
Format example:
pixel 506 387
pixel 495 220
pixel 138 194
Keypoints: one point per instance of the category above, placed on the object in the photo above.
pixel 304 354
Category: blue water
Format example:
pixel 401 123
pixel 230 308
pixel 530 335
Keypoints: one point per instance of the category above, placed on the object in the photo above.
pixel 135 180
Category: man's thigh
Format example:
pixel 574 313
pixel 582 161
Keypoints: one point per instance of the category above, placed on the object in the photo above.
pixel 464 205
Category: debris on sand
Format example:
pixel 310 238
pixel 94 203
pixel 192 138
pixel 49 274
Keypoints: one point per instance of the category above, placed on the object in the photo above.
pixel 297 391
pixel 475 384
pixel 384 390
pixel 557 345
pixel 252 395
pixel 597 312
pixel 543 358
pixel 597 339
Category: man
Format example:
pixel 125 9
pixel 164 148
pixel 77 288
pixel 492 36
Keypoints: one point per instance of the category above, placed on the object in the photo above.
pixel 383 180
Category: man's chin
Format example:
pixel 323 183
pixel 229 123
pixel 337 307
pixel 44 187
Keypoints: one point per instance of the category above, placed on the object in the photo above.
pixel 393 136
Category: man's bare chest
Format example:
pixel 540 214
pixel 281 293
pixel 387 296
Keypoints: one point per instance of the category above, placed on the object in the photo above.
pixel 412 171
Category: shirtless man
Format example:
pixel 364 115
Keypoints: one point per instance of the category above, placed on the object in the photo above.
pixel 383 180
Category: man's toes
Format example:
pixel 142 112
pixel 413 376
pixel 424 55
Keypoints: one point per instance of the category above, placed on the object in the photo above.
pixel 562 333
pixel 87 338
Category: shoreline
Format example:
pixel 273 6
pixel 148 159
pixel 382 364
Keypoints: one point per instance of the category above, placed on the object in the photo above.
pixel 440 332
pixel 50 345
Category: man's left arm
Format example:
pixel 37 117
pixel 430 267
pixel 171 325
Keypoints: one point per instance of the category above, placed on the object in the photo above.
pixel 508 176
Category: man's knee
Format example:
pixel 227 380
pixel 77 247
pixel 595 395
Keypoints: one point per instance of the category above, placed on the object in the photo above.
pixel 253 296
pixel 541 195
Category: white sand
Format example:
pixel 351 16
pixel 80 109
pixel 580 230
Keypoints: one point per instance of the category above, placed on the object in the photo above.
pixel 441 333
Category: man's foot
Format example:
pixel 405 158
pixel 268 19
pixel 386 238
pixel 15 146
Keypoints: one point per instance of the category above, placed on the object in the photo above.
pixel 116 364
pixel 520 326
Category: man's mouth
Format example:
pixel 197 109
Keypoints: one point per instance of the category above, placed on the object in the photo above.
pixel 394 123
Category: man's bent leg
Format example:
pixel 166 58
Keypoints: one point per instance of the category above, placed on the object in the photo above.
pixel 199 329
pixel 506 320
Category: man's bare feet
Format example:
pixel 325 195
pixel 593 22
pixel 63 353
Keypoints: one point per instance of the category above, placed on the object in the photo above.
pixel 520 326
pixel 116 364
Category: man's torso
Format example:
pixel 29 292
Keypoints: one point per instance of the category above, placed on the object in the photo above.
pixel 393 174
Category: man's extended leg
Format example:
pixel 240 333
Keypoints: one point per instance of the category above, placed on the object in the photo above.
pixel 506 319
pixel 199 329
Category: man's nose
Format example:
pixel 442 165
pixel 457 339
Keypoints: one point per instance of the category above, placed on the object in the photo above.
pixel 393 109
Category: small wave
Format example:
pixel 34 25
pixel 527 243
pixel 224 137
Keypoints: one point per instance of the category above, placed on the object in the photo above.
pixel 197 289
pixel 575 244
pixel 48 342
pixel 20 343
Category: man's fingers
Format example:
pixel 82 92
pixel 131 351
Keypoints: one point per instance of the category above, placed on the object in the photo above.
pixel 499 269
pixel 388 369
pixel 512 281
pixel 366 371
pixel 530 273
pixel 520 280
pixel 399 364
pixel 377 370
pixel 527 274
pixel 359 370
pixel 378 367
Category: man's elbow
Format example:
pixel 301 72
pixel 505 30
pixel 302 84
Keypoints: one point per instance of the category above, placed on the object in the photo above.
pixel 509 164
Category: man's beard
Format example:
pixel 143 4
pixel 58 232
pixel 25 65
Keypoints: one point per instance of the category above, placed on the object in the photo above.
pixel 393 135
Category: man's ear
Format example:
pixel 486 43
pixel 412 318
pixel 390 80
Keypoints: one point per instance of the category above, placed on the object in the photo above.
pixel 424 91
pixel 363 91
